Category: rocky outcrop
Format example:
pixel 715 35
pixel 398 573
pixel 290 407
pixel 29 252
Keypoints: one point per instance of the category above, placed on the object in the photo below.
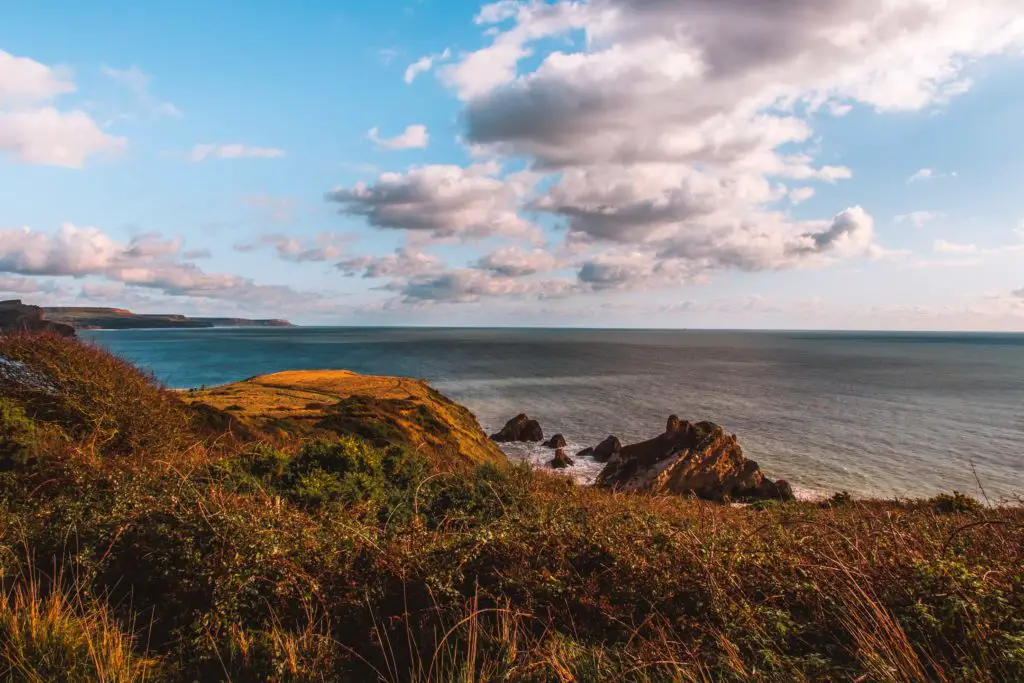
pixel 18 317
pixel 607 449
pixel 519 428
pixel 691 458
pixel 561 460
pixel 557 441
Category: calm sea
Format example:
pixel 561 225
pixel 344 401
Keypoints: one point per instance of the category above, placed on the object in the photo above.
pixel 884 414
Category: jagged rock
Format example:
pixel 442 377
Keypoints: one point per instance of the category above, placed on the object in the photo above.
pixel 691 458
pixel 589 450
pixel 561 460
pixel 18 317
pixel 607 449
pixel 519 428
pixel 557 441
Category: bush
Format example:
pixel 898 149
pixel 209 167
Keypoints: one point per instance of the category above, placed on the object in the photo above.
pixel 957 503
pixel 17 435
pixel 105 404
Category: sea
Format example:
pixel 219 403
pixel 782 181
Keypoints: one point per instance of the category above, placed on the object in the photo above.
pixel 880 414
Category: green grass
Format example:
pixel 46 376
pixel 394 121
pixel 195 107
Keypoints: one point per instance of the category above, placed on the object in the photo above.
pixel 333 558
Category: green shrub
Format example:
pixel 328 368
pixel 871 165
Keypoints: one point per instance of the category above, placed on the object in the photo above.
pixel 17 435
pixel 957 503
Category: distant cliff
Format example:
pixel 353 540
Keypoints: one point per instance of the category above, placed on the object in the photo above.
pixel 120 319
pixel 16 316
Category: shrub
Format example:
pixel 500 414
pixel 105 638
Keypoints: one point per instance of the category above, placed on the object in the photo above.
pixel 108 406
pixel 17 435
pixel 957 503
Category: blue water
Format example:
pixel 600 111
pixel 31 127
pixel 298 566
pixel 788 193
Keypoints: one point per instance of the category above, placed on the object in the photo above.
pixel 884 414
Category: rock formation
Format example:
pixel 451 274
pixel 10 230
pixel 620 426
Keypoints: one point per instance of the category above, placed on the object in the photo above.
pixel 16 316
pixel 691 458
pixel 607 449
pixel 557 441
pixel 519 428
pixel 561 460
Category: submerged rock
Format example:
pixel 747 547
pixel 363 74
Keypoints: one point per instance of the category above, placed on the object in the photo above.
pixel 519 428
pixel 691 458
pixel 557 441
pixel 561 460
pixel 589 450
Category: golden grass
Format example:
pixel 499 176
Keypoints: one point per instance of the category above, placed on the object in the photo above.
pixel 303 398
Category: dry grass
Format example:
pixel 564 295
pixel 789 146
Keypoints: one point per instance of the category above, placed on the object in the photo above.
pixel 59 634
pixel 347 563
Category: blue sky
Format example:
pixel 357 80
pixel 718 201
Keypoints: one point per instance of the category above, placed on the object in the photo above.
pixel 593 163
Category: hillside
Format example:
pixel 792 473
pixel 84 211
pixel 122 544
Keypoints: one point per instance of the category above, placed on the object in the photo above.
pixel 383 410
pixel 332 527
pixel 121 319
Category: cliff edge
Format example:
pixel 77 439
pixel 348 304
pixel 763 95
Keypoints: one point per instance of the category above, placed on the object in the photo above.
pixel 18 317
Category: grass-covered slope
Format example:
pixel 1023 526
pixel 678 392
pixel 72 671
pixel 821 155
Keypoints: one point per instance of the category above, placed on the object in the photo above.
pixel 314 556
pixel 383 410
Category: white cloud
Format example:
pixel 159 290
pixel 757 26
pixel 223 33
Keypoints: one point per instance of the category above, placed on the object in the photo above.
pixel 54 138
pixel 33 132
pixel 204 152
pixel 946 247
pixel 147 261
pixel 800 195
pixel 137 81
pixel 919 218
pixel 926 174
pixel 424 64
pixel 403 263
pixel 516 261
pixel 440 201
pixel 414 137
pixel 324 247
pixel 25 81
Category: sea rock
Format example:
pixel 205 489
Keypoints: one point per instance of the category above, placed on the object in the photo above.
pixel 607 449
pixel 18 317
pixel 557 441
pixel 561 460
pixel 589 450
pixel 519 428
pixel 691 459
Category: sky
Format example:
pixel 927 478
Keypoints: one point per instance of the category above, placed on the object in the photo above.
pixel 797 164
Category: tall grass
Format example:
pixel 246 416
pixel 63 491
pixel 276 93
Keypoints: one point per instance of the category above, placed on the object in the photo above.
pixel 343 562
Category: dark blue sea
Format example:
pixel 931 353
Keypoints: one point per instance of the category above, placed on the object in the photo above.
pixel 881 414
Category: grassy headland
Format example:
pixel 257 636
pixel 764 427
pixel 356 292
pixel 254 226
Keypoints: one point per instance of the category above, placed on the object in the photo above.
pixel 332 527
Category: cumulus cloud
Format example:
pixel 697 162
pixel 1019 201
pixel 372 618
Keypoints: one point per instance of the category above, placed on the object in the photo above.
pixel 204 152
pixel 402 263
pixel 467 285
pixel 516 261
pixel 148 261
pixel 424 64
pixel 26 285
pixel 665 136
pixel 441 201
pixel 26 81
pixel 414 137
pixel 35 132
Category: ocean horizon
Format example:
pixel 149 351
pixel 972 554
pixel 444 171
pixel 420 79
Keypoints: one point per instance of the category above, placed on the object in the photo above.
pixel 876 413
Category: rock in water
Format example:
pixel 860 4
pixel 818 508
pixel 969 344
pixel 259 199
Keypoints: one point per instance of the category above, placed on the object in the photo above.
pixel 561 460
pixel 557 441
pixel 607 449
pixel 519 428
pixel 589 450
pixel 691 458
